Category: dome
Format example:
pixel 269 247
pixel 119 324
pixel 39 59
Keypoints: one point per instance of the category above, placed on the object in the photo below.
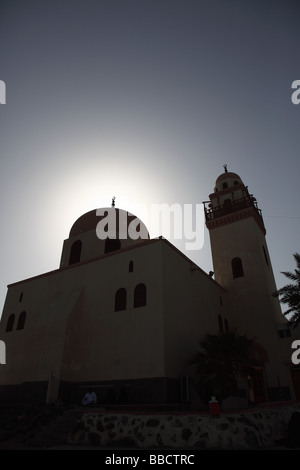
pixel 227 180
pixel 227 174
pixel 85 223
pixel 122 218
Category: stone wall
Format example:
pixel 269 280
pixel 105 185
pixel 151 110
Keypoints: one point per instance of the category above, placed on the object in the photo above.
pixel 248 430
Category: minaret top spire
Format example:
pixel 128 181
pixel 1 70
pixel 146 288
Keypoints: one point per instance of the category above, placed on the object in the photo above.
pixel 113 201
pixel 225 168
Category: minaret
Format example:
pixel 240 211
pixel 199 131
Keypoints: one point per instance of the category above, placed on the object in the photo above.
pixel 240 254
pixel 243 267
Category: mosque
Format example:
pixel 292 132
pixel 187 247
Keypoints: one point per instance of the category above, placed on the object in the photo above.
pixel 125 316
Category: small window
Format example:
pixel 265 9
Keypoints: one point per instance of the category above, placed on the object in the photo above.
pixel 120 299
pixel 10 322
pixel 237 268
pixel 131 266
pixel 225 185
pixel 235 182
pixel 21 297
pixel 75 252
pixel 112 244
pixel 21 321
pixel 140 295
pixel 265 255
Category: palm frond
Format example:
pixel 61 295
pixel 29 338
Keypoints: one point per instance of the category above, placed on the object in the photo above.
pixel 297 259
pixel 290 294
pixel 290 275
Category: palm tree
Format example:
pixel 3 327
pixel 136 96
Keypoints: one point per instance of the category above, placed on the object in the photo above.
pixel 291 293
pixel 222 359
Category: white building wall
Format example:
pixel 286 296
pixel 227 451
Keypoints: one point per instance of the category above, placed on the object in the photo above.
pixel 192 303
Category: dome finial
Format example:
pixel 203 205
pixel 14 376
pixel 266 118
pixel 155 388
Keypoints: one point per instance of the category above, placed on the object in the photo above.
pixel 113 201
pixel 225 167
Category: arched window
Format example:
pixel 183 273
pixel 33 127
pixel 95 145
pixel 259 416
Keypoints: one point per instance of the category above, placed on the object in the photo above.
pixel 75 252
pixel 131 266
pixel 140 295
pixel 10 322
pixel 220 321
pixel 21 297
pixel 112 244
pixel 120 299
pixel 265 255
pixel 237 268
pixel 21 321
pixel 224 185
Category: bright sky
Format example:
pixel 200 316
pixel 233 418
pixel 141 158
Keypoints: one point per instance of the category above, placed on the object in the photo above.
pixel 145 101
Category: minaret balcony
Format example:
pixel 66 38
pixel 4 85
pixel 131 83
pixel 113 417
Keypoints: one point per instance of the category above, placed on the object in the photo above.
pixel 230 207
